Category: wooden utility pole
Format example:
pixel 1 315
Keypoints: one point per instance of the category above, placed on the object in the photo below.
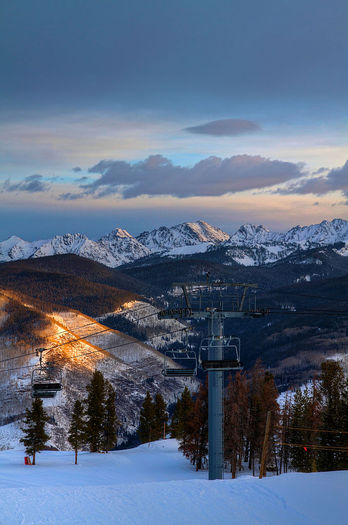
pixel 265 446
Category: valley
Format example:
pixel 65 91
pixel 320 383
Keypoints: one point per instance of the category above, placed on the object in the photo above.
pixel 93 316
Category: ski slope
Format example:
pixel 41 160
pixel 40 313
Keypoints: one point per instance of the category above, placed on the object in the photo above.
pixel 155 485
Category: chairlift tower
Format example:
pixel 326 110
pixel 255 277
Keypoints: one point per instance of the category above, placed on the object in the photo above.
pixel 215 301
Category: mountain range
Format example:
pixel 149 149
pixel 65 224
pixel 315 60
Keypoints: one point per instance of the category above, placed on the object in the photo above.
pixel 250 245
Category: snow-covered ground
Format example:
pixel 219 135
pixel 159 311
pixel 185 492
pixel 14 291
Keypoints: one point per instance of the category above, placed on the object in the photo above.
pixel 156 485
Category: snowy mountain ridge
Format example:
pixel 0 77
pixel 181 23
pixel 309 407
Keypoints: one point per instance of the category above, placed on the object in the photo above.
pixel 249 245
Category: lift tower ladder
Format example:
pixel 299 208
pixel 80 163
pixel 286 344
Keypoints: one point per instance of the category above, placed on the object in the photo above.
pixel 214 302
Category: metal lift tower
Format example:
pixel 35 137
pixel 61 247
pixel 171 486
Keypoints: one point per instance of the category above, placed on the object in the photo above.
pixel 215 302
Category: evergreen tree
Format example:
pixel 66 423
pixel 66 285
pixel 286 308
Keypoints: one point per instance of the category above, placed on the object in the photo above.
pixel 256 414
pixel 332 386
pixel 182 416
pixel 285 415
pixel 262 399
pixel 174 432
pixel 95 412
pixel 161 417
pixel 269 404
pixel 194 441
pixel 147 421
pixel 77 430
pixel 343 460
pixel 236 421
pixel 111 422
pixel 305 414
pixel 35 435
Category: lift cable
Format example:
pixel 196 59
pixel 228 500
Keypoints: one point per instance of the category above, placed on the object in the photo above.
pixel 100 351
pixel 312 430
pixel 70 342
pixel 97 322
pixel 331 313
pixel 306 295
pixel 315 447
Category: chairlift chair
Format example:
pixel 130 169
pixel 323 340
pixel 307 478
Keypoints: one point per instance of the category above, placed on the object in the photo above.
pixel 45 382
pixel 231 361
pixel 188 369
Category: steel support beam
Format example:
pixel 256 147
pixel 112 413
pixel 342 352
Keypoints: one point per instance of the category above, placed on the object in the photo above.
pixel 215 400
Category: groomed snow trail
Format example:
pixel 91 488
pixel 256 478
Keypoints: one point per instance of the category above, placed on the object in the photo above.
pixel 155 485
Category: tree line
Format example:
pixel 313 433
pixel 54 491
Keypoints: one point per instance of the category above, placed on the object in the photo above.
pixel 309 432
pixel 93 422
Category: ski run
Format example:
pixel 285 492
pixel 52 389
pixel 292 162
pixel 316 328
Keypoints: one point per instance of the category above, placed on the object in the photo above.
pixel 155 485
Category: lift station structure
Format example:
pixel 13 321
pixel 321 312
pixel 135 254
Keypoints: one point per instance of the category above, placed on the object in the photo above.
pixel 215 301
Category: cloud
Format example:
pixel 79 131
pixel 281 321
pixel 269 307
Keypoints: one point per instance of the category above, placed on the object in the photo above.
pixel 212 176
pixel 225 128
pixel 335 180
pixel 70 196
pixel 30 184
pixel 77 169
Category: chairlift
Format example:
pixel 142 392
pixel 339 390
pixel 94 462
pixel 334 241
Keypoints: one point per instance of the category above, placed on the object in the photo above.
pixel 230 359
pixel 45 381
pixel 187 360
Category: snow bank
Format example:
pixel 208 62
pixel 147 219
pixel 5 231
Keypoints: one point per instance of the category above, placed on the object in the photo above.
pixel 155 485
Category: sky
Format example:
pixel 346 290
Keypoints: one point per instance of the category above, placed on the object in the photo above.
pixel 136 114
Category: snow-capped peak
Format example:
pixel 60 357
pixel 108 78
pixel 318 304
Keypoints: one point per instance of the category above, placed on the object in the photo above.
pixel 123 246
pixel 251 234
pixel 186 234
pixel 117 233
pixel 249 245
pixel 327 232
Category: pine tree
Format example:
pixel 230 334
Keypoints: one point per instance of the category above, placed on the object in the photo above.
pixel 256 414
pixel 270 404
pixel 285 415
pixel 35 435
pixel 182 415
pixel 147 420
pixel 111 422
pixel 77 430
pixel 194 441
pixel 95 412
pixel 174 425
pixel 236 421
pixel 332 386
pixel 262 399
pixel 343 442
pixel 161 417
pixel 305 414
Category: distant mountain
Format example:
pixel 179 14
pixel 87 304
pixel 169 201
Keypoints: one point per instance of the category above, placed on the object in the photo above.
pixel 123 246
pixel 250 245
pixel 255 245
pixel 189 237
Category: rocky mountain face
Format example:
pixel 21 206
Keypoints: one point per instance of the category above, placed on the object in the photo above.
pixel 174 240
pixel 250 245
pixel 256 245
pixel 80 346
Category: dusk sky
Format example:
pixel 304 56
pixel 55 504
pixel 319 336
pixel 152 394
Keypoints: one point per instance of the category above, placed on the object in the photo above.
pixel 142 113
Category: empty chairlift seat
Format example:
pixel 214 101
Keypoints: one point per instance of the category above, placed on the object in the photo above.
pixel 45 383
pixel 220 354
pixel 186 361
